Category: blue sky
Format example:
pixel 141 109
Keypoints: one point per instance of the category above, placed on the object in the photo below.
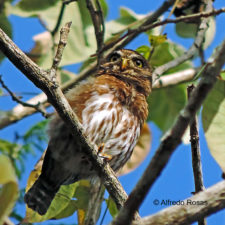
pixel 176 181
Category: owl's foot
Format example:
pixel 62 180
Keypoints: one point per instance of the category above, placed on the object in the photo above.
pixel 102 154
pixel 105 156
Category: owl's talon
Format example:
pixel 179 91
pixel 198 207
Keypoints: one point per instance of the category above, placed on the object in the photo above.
pixel 105 156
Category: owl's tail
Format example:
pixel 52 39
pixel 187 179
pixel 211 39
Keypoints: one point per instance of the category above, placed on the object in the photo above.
pixel 40 196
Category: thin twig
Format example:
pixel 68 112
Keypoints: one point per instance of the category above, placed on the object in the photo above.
pixel 99 26
pixel 64 33
pixel 172 139
pixel 38 107
pixel 196 155
pixel 195 148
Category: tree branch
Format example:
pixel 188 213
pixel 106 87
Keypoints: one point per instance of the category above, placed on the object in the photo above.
pixel 196 155
pixel 174 78
pixel 172 139
pixel 195 148
pixel 200 205
pixel 55 96
pixel 99 26
pixel 37 107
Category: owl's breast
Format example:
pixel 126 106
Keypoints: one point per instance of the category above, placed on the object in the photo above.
pixel 110 124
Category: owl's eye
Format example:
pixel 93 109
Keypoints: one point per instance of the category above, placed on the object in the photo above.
pixel 138 62
pixel 114 57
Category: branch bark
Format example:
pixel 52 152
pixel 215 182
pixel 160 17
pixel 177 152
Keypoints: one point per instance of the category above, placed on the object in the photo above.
pixel 99 26
pixel 172 139
pixel 201 205
pixel 196 155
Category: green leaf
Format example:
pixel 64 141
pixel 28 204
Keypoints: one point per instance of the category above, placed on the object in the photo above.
pixel 58 205
pixel 156 40
pixel 66 75
pixel 34 6
pixel 68 211
pixel 112 207
pixel 36 133
pixel 165 104
pixel 9 188
pixel 82 194
pixel 186 30
pixel 5 25
pixel 144 50
pixel 222 74
pixel 9 148
pixel 213 115
pixel 189 30
pixel 167 51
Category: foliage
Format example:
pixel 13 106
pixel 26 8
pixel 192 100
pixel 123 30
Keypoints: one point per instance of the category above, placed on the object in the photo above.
pixel 8 188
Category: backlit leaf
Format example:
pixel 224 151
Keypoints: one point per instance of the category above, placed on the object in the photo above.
pixel 222 74
pixel 112 207
pixel 9 188
pixel 144 50
pixel 34 6
pixel 189 30
pixel 157 40
pixel 165 104
pixel 213 115
pixel 166 52
pixel 5 25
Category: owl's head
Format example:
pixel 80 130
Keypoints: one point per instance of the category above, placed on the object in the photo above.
pixel 129 66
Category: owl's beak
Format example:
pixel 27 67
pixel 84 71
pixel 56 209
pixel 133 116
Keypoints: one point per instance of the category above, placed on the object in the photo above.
pixel 124 64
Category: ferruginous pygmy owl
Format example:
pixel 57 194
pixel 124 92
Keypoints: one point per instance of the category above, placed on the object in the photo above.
pixel 112 107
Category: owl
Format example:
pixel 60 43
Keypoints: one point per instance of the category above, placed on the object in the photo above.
pixel 112 107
